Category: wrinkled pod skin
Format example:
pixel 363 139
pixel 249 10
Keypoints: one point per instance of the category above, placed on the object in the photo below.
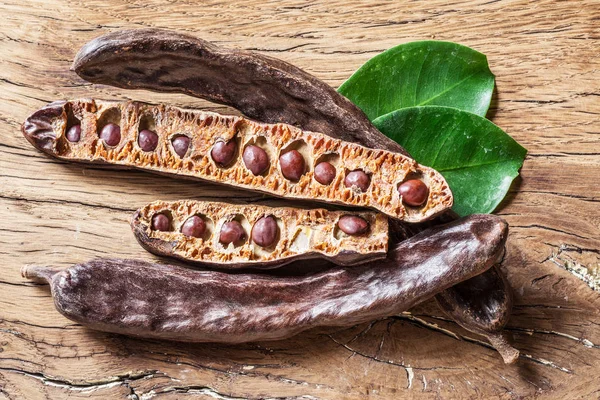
pixel 264 88
pixel 482 304
pixel 484 318
pixel 129 296
pixel 121 59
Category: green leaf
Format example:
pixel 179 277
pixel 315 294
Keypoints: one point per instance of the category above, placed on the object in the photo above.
pixel 477 158
pixel 421 74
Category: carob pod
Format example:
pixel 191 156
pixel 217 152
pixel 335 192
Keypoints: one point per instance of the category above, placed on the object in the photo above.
pixel 482 304
pixel 264 88
pixel 130 297
pixel 121 59
pixel 486 317
pixel 230 236
pixel 111 133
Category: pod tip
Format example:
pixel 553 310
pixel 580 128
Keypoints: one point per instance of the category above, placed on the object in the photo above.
pixel 509 354
pixel 38 273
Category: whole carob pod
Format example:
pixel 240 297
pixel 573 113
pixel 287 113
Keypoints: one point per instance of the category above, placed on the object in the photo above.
pixel 230 236
pixel 128 296
pixel 264 88
pixel 138 135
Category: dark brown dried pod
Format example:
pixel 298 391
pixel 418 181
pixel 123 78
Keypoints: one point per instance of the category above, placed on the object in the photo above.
pixel 487 317
pixel 264 88
pixel 210 306
pixel 303 234
pixel 46 129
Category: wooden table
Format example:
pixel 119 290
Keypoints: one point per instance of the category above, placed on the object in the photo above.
pixel 546 57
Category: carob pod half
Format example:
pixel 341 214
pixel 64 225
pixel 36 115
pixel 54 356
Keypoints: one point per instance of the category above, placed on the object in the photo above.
pixel 122 59
pixel 138 135
pixel 269 237
pixel 264 88
pixel 128 296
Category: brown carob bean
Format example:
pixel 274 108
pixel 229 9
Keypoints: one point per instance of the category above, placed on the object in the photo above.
pixel 253 171
pixel 147 140
pixel 194 226
pixel 74 133
pixel 111 134
pixel 161 222
pixel 256 159
pixel 266 89
pixel 279 234
pixel 223 153
pixel 414 192
pixel 358 179
pixel 181 144
pixel 325 173
pixel 486 318
pixel 210 306
pixel 353 225
pixel 232 232
pixel 264 231
pixel 292 165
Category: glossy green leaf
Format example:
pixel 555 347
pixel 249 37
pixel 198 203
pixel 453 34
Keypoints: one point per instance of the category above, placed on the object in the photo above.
pixel 422 74
pixel 477 158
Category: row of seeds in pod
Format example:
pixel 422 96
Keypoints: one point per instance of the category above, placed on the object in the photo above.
pixel 264 231
pixel 414 192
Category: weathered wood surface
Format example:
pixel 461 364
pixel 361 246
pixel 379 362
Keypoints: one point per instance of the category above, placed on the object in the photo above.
pixel 546 57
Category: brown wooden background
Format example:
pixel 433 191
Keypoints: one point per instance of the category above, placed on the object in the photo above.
pixel 546 56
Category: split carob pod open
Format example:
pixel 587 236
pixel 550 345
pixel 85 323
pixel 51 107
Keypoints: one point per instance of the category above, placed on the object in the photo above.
pixel 231 236
pixel 128 296
pixel 132 59
pixel 277 159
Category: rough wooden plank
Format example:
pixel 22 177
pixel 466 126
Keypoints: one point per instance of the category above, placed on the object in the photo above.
pixel 545 57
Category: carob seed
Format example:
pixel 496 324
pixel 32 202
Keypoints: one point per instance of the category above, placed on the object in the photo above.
pixel 181 144
pixel 147 140
pixel 359 179
pixel 264 232
pixel 414 192
pixel 292 165
pixel 223 153
pixel 194 226
pixel 74 133
pixel 353 225
pixel 256 159
pixel 161 222
pixel 232 232
pixel 111 134
pixel 325 173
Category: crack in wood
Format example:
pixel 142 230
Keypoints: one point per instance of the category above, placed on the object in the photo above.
pixel 388 362
pixel 588 274
pixel 79 203
pixel 81 385
pixel 583 341
pixel 428 325
pixel 549 229
pixel 193 390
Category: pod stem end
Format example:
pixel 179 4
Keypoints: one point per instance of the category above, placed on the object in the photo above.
pixel 500 343
pixel 39 274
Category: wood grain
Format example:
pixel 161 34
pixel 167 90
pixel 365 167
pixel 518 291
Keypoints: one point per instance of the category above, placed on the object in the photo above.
pixel 545 58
